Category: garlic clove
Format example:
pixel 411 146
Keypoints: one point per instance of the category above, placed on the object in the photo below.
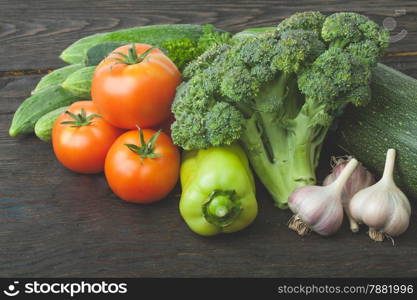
pixel 310 210
pixel 373 200
pixel 400 218
pixel 298 195
pixel 330 222
pixel 353 225
pixel 319 208
pixel 359 179
pixel 316 213
pixel 382 206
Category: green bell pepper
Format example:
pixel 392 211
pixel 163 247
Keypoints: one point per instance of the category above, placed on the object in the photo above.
pixel 218 190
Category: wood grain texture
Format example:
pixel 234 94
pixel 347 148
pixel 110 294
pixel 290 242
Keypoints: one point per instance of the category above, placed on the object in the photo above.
pixel 56 223
pixel 38 30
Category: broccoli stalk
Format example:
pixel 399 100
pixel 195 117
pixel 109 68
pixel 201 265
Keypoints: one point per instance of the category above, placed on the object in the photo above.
pixel 277 93
pixel 289 161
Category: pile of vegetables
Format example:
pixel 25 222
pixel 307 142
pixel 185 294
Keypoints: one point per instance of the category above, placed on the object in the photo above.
pixel 265 97
pixel 181 43
pixel 278 93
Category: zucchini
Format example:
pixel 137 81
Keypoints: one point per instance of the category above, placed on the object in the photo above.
pixel 389 121
pixel 38 105
pixel 100 51
pixel 79 82
pixel 56 77
pixel 43 127
pixel 153 34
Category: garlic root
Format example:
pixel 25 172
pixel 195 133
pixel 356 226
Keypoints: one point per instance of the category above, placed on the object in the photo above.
pixel 298 225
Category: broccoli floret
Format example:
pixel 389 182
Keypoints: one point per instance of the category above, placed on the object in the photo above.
pixel 356 34
pixel 309 20
pixel 182 51
pixel 296 48
pixel 345 76
pixel 204 61
pixel 212 36
pixel 277 93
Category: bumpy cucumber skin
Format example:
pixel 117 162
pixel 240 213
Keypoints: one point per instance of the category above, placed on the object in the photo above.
pixel 153 34
pixel 79 82
pixel 38 105
pixel 389 121
pixel 56 77
pixel 100 51
pixel 43 127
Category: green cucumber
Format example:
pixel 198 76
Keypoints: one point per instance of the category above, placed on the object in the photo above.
pixel 153 34
pixel 388 121
pixel 79 82
pixel 43 127
pixel 56 77
pixel 38 105
pixel 100 51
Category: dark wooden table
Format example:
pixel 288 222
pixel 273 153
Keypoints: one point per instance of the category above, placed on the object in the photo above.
pixel 57 223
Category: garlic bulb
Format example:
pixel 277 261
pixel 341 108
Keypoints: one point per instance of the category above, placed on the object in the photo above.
pixel 382 206
pixel 360 179
pixel 319 208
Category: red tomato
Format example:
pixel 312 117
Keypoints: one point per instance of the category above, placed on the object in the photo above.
pixel 142 171
pixel 135 91
pixel 82 141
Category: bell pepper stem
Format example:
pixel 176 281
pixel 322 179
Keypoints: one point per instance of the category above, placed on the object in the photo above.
pixel 221 211
pixel 220 205
pixel 221 208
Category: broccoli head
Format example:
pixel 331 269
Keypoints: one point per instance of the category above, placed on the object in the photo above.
pixel 277 93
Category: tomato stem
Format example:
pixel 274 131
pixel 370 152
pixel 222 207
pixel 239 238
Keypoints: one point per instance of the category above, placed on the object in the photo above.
pixel 146 149
pixel 80 119
pixel 132 57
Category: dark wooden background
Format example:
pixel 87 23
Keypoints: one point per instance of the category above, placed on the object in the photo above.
pixel 57 223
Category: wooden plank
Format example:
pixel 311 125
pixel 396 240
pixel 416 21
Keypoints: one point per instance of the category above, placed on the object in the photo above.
pixel 33 33
pixel 405 64
pixel 14 89
pixel 54 222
